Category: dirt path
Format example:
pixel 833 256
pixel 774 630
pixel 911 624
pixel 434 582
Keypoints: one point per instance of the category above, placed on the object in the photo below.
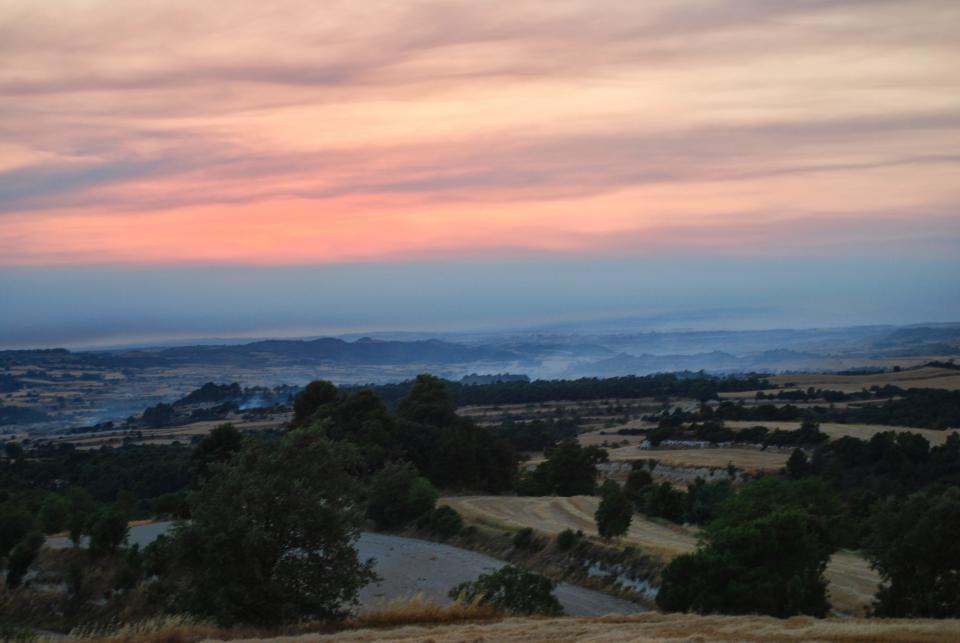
pixel 852 582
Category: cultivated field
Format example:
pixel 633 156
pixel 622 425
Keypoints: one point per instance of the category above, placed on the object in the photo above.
pixel 657 627
pixel 852 582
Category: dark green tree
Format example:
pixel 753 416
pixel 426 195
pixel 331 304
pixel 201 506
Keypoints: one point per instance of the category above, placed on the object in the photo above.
pixel 387 501
pixel 797 465
pixel 428 403
pixel 615 511
pixel 771 565
pixel 81 511
pixel 422 497
pixel 764 553
pixel 512 590
pixel 913 544
pixel 705 498
pixel 53 514
pixel 272 533
pixel 315 395
pixel 219 445
pixel 663 501
pixel 569 470
pixel 15 523
pixel 108 531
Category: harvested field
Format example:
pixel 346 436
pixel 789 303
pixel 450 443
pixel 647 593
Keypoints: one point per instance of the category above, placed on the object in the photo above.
pixel 657 627
pixel 852 582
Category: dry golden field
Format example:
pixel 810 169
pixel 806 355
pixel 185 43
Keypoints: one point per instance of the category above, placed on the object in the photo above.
pixel 852 582
pixel 655 627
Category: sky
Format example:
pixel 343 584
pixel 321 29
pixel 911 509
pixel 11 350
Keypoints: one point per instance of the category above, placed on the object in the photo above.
pixel 172 168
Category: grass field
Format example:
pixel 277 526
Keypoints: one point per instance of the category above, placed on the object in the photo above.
pixel 852 582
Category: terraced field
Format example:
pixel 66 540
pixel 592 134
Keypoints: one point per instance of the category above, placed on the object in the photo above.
pixel 852 582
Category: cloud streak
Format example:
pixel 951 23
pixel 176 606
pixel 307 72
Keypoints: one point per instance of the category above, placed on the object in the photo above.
pixel 289 133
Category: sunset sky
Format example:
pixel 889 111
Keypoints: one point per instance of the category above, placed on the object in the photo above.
pixel 365 164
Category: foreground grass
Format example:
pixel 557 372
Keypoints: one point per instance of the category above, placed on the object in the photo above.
pixel 657 627
pixel 405 612
pixel 420 622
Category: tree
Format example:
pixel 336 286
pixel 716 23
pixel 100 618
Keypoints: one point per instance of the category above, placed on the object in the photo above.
pixel 797 466
pixel 315 395
pixel 428 403
pixel 705 498
pixel 15 523
pixel 422 497
pixel 160 415
pixel 219 445
pixel 912 544
pixel 771 565
pixel 638 480
pixel 54 510
pixel 569 470
pixel 663 501
pixel 81 509
pixel 272 533
pixel 389 493
pixel 764 553
pixel 512 590
pixel 108 531
pixel 615 512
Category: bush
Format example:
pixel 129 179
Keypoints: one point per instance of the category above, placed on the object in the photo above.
pixel 566 539
pixel 22 557
pixel 525 539
pixel 445 521
pixel 512 590
pixel 422 497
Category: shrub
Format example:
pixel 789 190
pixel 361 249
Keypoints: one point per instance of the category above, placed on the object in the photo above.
pixel 422 497
pixel 22 557
pixel 566 539
pixel 512 590
pixel 525 539
pixel 445 521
